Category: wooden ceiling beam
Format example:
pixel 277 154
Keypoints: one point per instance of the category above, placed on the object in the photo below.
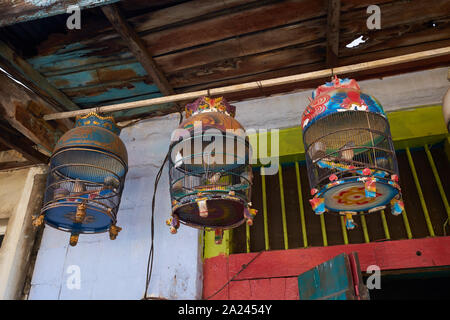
pixel 137 47
pixel 9 138
pixel 14 164
pixel 24 110
pixel 333 22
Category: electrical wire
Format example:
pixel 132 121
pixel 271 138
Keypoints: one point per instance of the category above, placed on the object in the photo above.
pixel 152 221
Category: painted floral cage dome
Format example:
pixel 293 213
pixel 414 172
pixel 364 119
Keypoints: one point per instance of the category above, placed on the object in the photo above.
pixel 350 156
pixel 209 168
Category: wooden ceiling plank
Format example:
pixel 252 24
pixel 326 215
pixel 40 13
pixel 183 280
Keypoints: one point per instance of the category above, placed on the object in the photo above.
pixel 123 76
pixel 93 30
pixel 201 32
pixel 185 11
pixel 14 11
pixel 13 63
pixel 218 73
pixel 137 47
pixel 301 68
pixel 333 20
pixel 254 43
pixel 231 25
pixel 344 70
pixel 247 65
pixel 393 14
pixel 395 38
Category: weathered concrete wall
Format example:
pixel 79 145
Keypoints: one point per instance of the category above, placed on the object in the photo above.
pixel 12 184
pixel 21 193
pixel 116 269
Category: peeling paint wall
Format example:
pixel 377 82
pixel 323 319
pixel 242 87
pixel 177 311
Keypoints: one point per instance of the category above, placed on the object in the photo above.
pixel 116 269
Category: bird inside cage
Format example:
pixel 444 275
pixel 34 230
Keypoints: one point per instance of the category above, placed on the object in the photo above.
pixel 346 153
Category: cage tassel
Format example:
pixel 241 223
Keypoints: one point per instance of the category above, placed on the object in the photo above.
pixel 397 206
pixel 249 215
pixel 318 205
pixel 114 231
pixel 349 222
pixel 218 235
pixel 174 224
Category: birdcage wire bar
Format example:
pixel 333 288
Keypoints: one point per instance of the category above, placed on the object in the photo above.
pixel 100 188
pixel 359 139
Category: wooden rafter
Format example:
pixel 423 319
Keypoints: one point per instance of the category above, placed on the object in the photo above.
pixel 12 140
pixel 14 164
pixel 23 110
pixel 137 47
pixel 333 18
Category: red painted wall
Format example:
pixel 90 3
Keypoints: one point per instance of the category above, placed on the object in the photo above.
pixel 273 274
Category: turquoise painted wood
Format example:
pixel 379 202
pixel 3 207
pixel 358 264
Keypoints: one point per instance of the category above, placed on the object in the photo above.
pixel 331 280
pixel 38 9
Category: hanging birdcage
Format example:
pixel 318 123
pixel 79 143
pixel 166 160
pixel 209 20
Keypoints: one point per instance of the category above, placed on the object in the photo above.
pixel 209 167
pixel 350 156
pixel 86 179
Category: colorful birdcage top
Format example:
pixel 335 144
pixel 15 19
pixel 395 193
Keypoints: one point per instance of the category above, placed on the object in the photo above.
pixel 337 96
pixel 209 113
pixel 207 104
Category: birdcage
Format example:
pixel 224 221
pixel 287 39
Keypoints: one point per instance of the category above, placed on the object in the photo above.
pixel 86 179
pixel 350 156
pixel 209 168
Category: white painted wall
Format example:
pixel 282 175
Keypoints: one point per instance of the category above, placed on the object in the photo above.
pixel 116 269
